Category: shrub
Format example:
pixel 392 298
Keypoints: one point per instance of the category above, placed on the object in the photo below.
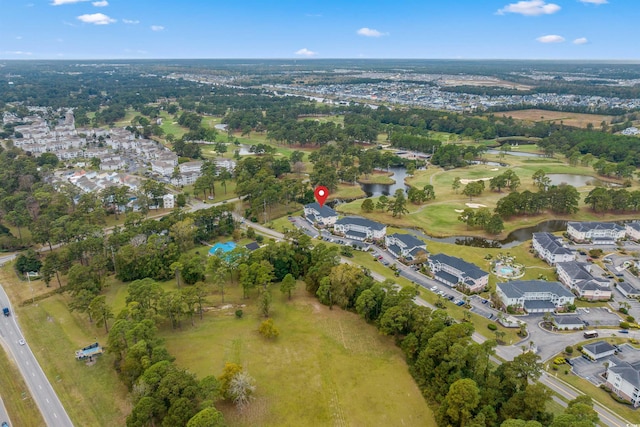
pixel 579 348
pixel 268 330
pixel 492 327
pixel 624 325
pixel 559 361
pixel 568 350
pixel 623 310
pixel 554 367
pixel 239 314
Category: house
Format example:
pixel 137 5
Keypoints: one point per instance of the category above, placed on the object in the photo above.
pixel 568 323
pixel 193 166
pixel 598 233
pixel 357 228
pixel 577 277
pixel 405 246
pixel 168 201
pixel 628 290
pixel 632 230
pixel 623 378
pixel 534 296
pixel 252 246
pixel 321 215
pixel 453 271
pixel 598 350
pixel 550 248
pixel 162 167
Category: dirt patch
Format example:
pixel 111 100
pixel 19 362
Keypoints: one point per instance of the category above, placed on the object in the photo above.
pixel 475 205
pixel 570 119
pixel 465 181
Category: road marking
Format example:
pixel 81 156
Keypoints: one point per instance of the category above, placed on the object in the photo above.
pixel 40 386
pixel 33 374
pixel 54 414
pixel 47 400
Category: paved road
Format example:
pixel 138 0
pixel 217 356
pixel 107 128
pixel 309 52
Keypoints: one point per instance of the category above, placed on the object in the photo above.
pixel 41 390
pixel 4 415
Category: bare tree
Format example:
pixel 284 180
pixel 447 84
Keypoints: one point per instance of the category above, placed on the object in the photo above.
pixel 241 389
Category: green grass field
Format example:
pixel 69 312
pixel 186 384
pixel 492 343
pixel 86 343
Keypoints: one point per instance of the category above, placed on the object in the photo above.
pixel 327 367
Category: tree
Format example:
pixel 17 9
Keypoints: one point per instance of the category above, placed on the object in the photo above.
pixel 208 417
pixel 228 373
pixel 265 300
pixel 28 262
pixel 429 192
pixel 473 189
pixel 398 206
pixel 367 205
pixel 288 284
pixel 460 403
pixel 494 225
pixel 241 389
pixel 455 186
pixel 541 180
pixel 101 312
pixel 183 232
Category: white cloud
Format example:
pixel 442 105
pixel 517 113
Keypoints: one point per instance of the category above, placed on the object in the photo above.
pixel 581 40
pixel 18 37
pixel 306 52
pixel 370 32
pixel 16 52
pixel 131 21
pixel 157 28
pixel 551 38
pixel 61 2
pixel 594 1
pixel 530 8
pixel 101 3
pixel 96 19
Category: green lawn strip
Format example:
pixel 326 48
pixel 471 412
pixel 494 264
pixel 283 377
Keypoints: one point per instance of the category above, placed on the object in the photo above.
pixel 597 394
pixel 19 403
pixel 313 373
pixel 92 395
pixel 347 192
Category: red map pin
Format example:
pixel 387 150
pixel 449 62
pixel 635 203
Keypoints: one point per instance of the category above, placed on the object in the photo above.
pixel 321 192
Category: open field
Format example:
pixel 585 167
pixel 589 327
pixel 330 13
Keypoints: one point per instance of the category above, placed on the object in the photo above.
pixel 171 126
pixel 314 373
pixel 570 119
pixel 92 395
pixel 377 177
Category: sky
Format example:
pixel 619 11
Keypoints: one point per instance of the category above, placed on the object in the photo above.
pixel 421 29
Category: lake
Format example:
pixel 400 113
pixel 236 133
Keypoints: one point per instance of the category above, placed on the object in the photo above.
pixel 578 180
pixel 375 190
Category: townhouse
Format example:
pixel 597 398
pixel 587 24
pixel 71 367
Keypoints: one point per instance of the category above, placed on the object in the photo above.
pixel 534 296
pixel 577 277
pixel 358 228
pixel 550 248
pixel 597 233
pixel 454 271
pixel 405 246
pixel 320 215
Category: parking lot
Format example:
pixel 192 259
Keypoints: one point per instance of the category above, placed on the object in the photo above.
pixel 598 316
pixel 592 371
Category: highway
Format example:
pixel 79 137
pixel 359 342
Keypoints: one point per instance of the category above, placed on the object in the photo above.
pixel 41 390
pixel 4 415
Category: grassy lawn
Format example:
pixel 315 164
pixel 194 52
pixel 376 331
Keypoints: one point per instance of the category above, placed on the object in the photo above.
pixel 21 408
pixel 93 395
pixel 171 126
pixel 313 374
pixel 598 394
pixel 348 192
pixel 377 177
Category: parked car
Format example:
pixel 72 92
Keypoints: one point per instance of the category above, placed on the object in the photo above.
pixel 433 288
pixel 623 331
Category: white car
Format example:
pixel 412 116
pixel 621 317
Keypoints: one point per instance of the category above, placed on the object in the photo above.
pixel 433 288
pixel 21 341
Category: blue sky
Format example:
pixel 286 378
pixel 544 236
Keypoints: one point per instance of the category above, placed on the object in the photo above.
pixel 466 29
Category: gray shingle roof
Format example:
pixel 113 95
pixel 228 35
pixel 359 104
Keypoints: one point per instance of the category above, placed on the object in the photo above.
pixel 467 268
pixel 599 347
pixel 538 304
pixel 551 243
pixel 568 320
pixel 518 288
pixel 628 288
pixel 324 211
pixel 409 240
pixel 594 225
pixel 629 372
pixel 635 225
pixel 356 220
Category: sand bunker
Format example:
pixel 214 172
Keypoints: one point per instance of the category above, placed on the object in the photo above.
pixel 459 210
pixel 495 169
pixel 475 205
pixel 465 181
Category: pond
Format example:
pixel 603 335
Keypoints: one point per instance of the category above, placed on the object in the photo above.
pixel 578 180
pixel 515 153
pixel 375 190
pixel 513 239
